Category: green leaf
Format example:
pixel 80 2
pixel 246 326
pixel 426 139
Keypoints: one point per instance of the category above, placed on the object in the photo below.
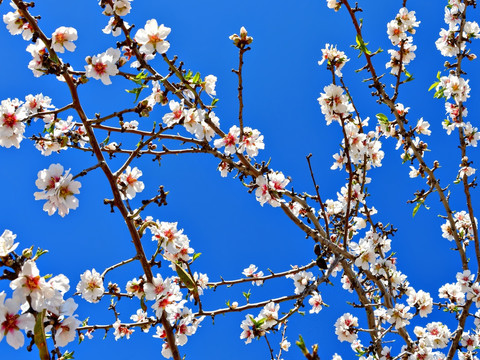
pixel 214 101
pixel 416 208
pixel 39 336
pixel 439 93
pixel 434 85
pixel 85 322
pixel 137 92
pixel 382 118
pixel 301 344
pixel 196 78
pixel 105 142
pixel 185 278
pixel 68 355
pixel 419 204
pixel 361 46
pixel 188 75
pixel 196 256
pixel 247 295
pixel 139 78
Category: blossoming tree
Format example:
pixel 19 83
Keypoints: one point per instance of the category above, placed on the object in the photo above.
pixel 175 111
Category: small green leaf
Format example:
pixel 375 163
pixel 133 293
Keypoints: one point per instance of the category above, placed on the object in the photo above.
pixel 434 85
pixel 419 204
pixel 382 118
pixel 214 101
pixel 139 78
pixel 137 92
pixel 68 355
pixel 105 142
pixel 247 295
pixel 196 78
pixel 196 256
pixel 301 344
pixel 188 75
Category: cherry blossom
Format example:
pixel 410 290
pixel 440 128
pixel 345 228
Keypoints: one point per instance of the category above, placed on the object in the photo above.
pixel 122 7
pixel 316 302
pixel 11 322
pixel 230 140
pixel 58 189
pixel 345 327
pixel 103 65
pixel 152 38
pixel 252 141
pixel 11 126
pixel 91 286
pixel 7 244
pixel 336 59
pixel 177 113
pixel 63 38
pixel 209 85
pixel 128 183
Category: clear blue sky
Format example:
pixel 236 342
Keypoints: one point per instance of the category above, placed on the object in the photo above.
pixel 226 224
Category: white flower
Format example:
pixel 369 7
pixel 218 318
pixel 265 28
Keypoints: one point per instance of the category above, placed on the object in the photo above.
pixel 316 302
pixel 66 331
pixel 122 7
pixel 121 331
pixel 103 65
pixel 11 125
pixel 91 286
pixel 128 183
pixel 345 327
pixel 252 141
pixel 30 283
pixel 399 315
pixel 247 327
pixel 301 280
pixel 230 140
pixel 63 39
pixel 209 85
pixel 11 322
pixel 177 113
pixel 6 243
pixel 336 59
pixel 285 345
pixel 152 38
pixel 270 314
pixel 57 189
pixel 113 28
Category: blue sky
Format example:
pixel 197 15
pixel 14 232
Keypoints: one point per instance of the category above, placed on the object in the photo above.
pixel 226 224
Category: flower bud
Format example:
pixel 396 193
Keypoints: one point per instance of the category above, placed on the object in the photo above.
pixel 27 253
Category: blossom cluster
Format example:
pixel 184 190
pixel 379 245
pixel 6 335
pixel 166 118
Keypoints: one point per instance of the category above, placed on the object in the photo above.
pixel 450 42
pixel 175 243
pixel 463 227
pixel 336 59
pixel 397 29
pixel 256 327
pixel 34 294
pixel 270 187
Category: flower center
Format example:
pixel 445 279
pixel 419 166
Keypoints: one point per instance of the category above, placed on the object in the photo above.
pixel 10 323
pixel 9 120
pixel 100 68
